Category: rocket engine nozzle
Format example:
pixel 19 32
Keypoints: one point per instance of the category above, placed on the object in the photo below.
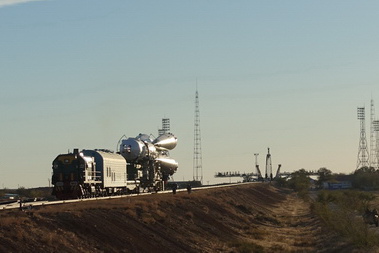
pixel 166 141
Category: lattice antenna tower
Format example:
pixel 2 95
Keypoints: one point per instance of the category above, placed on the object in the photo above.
pixel 197 155
pixel 376 131
pixel 373 157
pixel 165 126
pixel 363 155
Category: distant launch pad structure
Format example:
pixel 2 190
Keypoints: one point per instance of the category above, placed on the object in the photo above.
pixel 249 177
pixel 268 165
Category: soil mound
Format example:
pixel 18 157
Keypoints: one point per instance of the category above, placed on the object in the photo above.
pixel 253 217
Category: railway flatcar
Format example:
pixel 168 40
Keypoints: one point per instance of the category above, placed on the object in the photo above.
pixel 90 173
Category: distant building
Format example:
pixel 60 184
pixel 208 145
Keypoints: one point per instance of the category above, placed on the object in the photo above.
pixel 10 196
pixel 337 185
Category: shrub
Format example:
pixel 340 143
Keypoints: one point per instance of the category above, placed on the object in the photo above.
pixel 338 210
pixel 300 182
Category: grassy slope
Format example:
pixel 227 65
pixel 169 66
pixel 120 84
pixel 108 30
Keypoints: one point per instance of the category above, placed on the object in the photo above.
pixel 247 218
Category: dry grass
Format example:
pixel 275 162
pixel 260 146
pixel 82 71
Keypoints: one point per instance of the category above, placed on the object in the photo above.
pixel 249 218
pixel 268 218
pixel 11 221
pixel 246 247
pixel 341 212
pixel 189 215
pixel 257 233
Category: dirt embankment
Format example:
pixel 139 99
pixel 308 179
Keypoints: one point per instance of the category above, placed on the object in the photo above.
pixel 246 218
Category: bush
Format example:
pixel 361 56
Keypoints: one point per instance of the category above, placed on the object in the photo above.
pixel 366 178
pixel 339 209
pixel 300 182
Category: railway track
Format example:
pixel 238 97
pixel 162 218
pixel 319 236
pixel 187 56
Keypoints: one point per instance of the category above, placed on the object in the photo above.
pixel 30 205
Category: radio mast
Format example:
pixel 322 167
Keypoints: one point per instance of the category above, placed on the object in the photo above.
pixel 376 130
pixel 197 156
pixel 373 157
pixel 363 155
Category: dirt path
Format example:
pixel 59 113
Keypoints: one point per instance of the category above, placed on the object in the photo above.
pixel 294 228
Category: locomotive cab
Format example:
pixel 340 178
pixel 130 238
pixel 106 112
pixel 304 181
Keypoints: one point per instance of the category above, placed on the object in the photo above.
pixel 70 172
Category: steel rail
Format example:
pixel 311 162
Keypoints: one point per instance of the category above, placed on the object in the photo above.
pixel 27 205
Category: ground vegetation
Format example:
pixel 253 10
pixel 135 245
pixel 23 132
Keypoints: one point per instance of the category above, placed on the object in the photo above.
pixel 255 217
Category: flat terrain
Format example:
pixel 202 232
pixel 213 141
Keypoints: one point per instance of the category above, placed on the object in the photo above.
pixel 246 218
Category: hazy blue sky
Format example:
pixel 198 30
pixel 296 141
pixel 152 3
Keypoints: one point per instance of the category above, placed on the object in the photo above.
pixel 287 75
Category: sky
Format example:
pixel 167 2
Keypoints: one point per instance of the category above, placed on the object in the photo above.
pixel 288 75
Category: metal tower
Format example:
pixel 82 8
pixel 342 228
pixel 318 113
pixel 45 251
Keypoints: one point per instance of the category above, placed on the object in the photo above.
pixel 256 158
pixel 373 157
pixel 268 165
pixel 165 126
pixel 376 130
pixel 259 174
pixel 363 155
pixel 197 156
pixel 278 172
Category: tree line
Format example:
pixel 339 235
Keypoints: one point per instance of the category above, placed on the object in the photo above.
pixel 365 178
